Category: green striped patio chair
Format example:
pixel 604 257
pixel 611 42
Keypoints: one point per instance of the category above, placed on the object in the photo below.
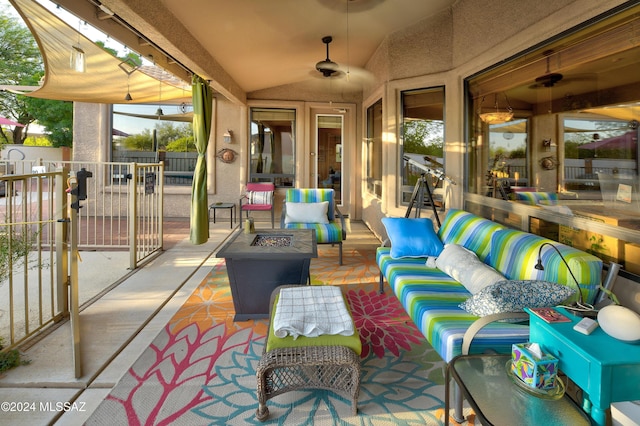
pixel 308 208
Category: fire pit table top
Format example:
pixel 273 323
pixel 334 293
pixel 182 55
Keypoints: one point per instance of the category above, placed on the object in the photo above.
pixel 265 244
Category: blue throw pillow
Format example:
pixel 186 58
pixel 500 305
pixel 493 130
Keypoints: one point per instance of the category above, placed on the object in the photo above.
pixel 412 237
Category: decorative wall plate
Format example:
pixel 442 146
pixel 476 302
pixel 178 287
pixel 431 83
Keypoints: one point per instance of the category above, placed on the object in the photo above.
pixel 548 163
pixel 227 155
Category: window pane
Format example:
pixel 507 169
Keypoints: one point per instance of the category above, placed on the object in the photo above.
pixel 507 164
pixel 573 139
pixel 373 147
pixel 597 151
pixel 422 136
pixel 140 135
pixel 272 146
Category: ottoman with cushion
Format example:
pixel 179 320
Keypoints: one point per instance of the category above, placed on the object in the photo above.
pixel 316 360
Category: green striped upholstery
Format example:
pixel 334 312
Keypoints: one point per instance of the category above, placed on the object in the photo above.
pixel 533 198
pixel 306 195
pixel 515 254
pixel 468 230
pixel 432 298
pixel 325 232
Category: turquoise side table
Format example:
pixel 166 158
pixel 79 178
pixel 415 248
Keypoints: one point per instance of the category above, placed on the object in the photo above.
pixel 606 369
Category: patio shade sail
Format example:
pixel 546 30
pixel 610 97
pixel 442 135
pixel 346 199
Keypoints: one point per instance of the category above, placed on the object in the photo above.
pixel 627 113
pixel 103 81
pixel 202 110
pixel 628 141
pixel 186 117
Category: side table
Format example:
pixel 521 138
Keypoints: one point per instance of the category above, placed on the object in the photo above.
pixel 230 206
pixel 497 400
pixel 606 369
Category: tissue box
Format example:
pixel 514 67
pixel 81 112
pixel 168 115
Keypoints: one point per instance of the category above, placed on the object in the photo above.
pixel 536 372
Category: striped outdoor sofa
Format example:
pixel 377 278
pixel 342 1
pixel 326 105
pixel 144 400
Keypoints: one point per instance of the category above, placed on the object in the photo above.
pixel 432 298
pixel 536 197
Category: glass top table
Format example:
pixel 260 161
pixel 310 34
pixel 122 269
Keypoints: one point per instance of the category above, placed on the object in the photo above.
pixel 498 400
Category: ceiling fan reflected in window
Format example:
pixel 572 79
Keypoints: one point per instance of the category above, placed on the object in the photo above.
pixel 549 79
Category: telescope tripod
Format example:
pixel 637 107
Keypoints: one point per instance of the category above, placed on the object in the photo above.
pixel 418 200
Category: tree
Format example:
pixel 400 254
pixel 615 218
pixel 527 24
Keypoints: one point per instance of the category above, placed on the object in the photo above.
pixel 423 137
pixel 21 65
pixel 56 117
pixel 20 62
pixel 140 142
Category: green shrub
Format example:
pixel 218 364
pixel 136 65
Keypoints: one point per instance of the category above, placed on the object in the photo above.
pixel 10 358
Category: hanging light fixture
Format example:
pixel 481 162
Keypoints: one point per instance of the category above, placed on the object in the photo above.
pixel 128 66
pixel 159 112
pixel 497 116
pixel 77 60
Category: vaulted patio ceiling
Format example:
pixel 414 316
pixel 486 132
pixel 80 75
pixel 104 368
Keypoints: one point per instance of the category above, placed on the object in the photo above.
pixel 243 46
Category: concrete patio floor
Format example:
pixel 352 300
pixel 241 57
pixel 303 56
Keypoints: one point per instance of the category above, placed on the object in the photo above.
pixel 115 330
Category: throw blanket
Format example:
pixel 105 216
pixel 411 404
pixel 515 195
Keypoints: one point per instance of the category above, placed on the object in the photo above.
pixel 311 311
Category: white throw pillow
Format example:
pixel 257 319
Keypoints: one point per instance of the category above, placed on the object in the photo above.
pixel 307 212
pixel 464 266
pixel 260 197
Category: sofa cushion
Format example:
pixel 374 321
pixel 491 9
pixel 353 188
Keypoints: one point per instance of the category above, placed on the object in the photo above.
pixel 515 254
pixel 412 237
pixel 326 233
pixel 468 230
pixel 535 197
pixel 464 266
pixel 514 296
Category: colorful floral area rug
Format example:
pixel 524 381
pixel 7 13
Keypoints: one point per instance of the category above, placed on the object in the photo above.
pixel 201 369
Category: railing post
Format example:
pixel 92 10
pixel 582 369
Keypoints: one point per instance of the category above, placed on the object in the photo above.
pixel 133 216
pixel 61 241
pixel 160 181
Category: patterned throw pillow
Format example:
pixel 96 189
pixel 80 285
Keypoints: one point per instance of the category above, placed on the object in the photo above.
pixel 259 197
pixel 514 296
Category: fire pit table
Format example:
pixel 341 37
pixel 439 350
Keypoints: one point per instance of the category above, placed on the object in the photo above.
pixel 258 263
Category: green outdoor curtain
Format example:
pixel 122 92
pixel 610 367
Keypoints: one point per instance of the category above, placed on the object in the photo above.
pixel 202 105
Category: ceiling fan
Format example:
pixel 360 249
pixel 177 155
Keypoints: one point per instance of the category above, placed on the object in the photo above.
pixel 549 79
pixel 327 67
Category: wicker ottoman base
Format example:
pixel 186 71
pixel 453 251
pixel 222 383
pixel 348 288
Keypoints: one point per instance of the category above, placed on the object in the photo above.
pixel 333 368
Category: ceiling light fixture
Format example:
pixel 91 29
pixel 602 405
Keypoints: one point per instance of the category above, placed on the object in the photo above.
pixel 159 111
pixel 129 67
pixel 497 116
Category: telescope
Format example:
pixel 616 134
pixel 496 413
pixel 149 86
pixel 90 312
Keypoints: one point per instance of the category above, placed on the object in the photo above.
pixel 437 173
